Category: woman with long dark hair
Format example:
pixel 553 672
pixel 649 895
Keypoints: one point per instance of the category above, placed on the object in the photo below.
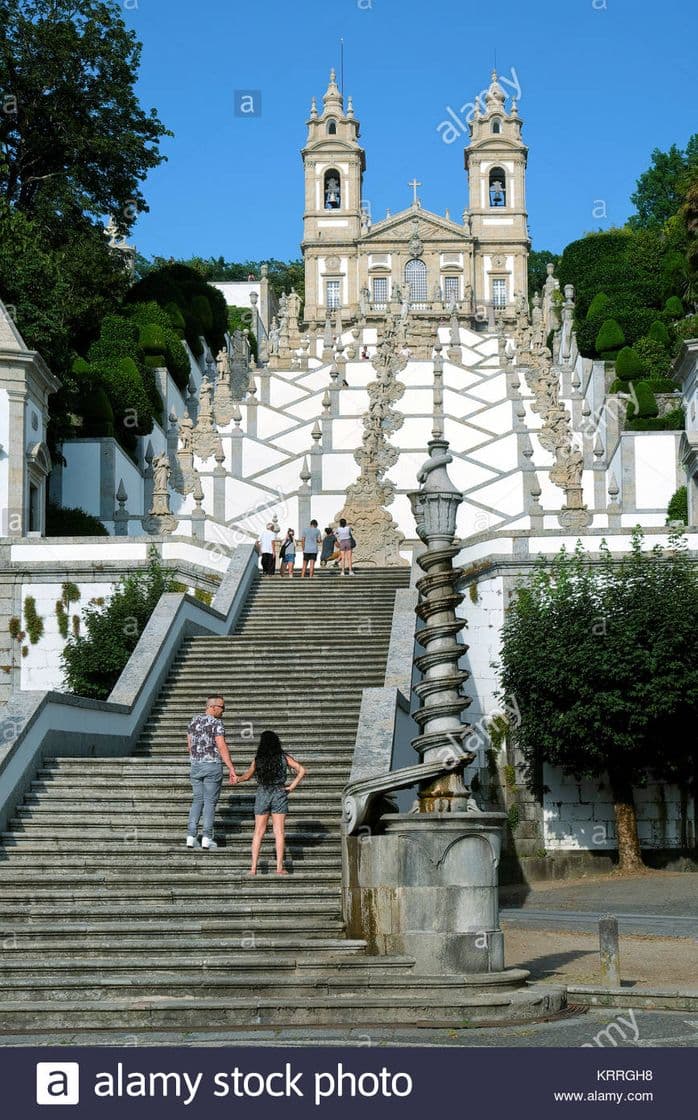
pixel 270 766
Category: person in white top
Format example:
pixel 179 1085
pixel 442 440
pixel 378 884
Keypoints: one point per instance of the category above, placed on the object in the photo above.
pixel 265 545
pixel 344 540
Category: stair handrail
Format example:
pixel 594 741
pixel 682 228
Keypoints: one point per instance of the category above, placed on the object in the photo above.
pixel 36 723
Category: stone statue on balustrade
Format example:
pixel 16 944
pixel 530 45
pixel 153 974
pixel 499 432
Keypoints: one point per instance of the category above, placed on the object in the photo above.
pixel 205 435
pixel 159 518
pixel 274 335
pixel 364 302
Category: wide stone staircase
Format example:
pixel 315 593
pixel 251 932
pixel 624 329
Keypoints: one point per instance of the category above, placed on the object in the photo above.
pixel 111 927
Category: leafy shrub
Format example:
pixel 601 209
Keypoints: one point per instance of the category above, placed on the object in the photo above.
pixel 201 310
pixel 93 661
pixel 176 318
pixel 653 357
pixel 661 384
pixel 646 403
pixel 687 328
pixel 628 364
pixel 673 421
pixel 202 307
pixel 609 339
pixel 72 522
pixel 659 333
pixel 599 306
pixel 97 414
pixel 677 510
pixel 674 307
pixel 152 340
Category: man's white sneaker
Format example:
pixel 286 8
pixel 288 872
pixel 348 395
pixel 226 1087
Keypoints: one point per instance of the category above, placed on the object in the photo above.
pixel 192 842
pixel 208 843
pixel 352 572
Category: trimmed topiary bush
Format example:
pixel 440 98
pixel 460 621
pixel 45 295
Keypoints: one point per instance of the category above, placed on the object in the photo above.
pixel 646 403
pixel 628 365
pixel 97 414
pixel 72 522
pixel 674 307
pixel 659 333
pixel 677 510
pixel 599 306
pixel 609 340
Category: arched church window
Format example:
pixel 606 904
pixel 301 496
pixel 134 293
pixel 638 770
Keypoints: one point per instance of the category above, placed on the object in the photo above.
pixel 331 127
pixel 416 277
pixel 333 190
pixel 498 187
pixel 496 125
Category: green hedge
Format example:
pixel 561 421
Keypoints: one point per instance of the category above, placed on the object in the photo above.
pixel 599 306
pixel 72 522
pixel 677 510
pixel 610 338
pixel 628 364
pixel 658 331
pixel 674 307
pixel 646 403
pixel 654 358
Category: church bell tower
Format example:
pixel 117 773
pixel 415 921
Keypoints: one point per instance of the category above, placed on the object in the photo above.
pixel 334 164
pixel 495 160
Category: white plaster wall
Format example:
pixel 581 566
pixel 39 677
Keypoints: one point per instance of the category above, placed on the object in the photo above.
pixel 126 469
pixel 655 469
pixel 41 668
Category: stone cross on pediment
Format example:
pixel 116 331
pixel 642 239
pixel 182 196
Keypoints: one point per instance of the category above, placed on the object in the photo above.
pixel 414 183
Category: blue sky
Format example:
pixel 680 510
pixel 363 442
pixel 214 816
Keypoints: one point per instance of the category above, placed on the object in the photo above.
pixel 603 82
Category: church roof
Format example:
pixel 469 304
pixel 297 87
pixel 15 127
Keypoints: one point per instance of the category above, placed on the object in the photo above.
pixel 10 338
pixel 407 218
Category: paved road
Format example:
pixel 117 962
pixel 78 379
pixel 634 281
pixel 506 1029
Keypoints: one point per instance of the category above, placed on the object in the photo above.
pixel 654 925
pixel 636 1029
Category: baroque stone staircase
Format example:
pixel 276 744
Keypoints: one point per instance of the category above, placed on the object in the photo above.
pixel 110 926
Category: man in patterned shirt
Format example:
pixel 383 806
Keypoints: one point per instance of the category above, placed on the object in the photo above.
pixel 209 754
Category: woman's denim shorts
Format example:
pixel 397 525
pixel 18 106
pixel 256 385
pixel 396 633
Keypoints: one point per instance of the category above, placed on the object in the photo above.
pixel 270 799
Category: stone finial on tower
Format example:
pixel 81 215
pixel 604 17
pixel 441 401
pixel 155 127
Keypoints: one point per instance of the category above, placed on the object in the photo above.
pixel 333 96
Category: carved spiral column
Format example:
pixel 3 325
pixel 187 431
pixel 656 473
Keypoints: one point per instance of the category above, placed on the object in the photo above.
pixel 442 733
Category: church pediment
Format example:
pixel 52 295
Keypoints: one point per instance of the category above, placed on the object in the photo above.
pixel 427 226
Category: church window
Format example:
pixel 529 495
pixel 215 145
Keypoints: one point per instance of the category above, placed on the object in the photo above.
pixel 331 127
pixel 333 190
pixel 451 289
pixel 498 187
pixel 499 293
pixel 416 277
pixel 332 301
pixel 496 125
pixel 380 290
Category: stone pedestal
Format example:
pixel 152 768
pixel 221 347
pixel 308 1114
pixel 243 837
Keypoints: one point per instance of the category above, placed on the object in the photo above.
pixel 426 886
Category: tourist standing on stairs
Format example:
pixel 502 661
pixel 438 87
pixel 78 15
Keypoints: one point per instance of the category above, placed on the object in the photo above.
pixel 345 540
pixel 271 766
pixel 330 548
pixel 265 544
pixel 209 753
pixel 311 543
pixel 287 553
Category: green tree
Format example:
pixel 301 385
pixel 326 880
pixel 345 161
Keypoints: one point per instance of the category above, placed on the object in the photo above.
pixel 538 260
pixel 660 190
pixel 599 657
pixel 93 661
pixel 79 137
